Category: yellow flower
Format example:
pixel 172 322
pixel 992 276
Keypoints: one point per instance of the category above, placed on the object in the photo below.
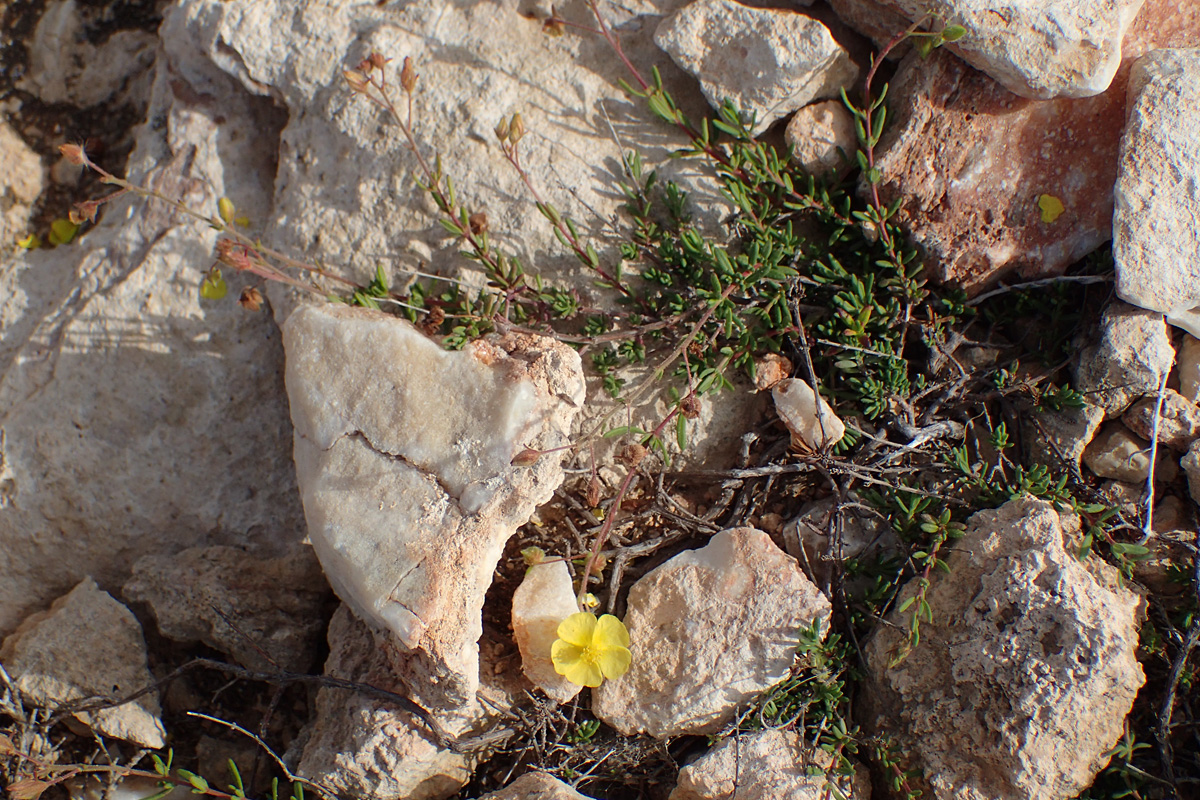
pixel 588 650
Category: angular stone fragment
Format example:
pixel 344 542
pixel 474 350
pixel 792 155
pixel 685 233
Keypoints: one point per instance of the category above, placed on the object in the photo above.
pixel 1129 361
pixel 1178 420
pixel 536 786
pixel 544 599
pixel 266 613
pixel 767 61
pixel 1021 682
pixel 709 629
pixel 769 765
pixel 808 417
pixel 1156 238
pixel 1191 467
pixel 87 645
pixel 1035 48
pixel 20 184
pixel 1118 453
pixel 815 539
pixel 404 458
pixel 1187 366
pixel 1171 543
pixel 821 136
pixel 1058 438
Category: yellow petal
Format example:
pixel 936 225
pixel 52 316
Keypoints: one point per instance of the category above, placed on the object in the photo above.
pixel 1051 207
pixel 610 632
pixel 614 661
pixel 577 629
pixel 584 673
pixel 563 656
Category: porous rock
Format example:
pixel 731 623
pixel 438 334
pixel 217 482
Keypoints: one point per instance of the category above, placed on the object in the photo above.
pixel 20 184
pixel 266 613
pixel 1122 455
pixel 808 417
pixel 709 629
pixel 1021 682
pixel 536 786
pixel 1036 48
pixel 1171 542
pixel 404 457
pixel 363 745
pixel 1191 467
pixel 971 160
pixel 773 764
pixel 1130 359
pixel 545 598
pixel 821 136
pixel 1156 241
pixel 769 62
pixel 1058 438
pixel 1178 419
pixel 87 645
pixel 1187 367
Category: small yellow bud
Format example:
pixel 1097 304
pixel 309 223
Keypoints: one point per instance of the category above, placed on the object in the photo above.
pixel 502 130
pixel 226 210
pixel 516 128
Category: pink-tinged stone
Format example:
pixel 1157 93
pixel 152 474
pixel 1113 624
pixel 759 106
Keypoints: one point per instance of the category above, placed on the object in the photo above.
pixel 971 160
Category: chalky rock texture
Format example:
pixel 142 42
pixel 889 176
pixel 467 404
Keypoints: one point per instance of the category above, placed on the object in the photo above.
pixel 971 160
pixel 821 136
pixel 1187 367
pixel 1156 238
pixel 266 613
pixel 710 629
pixel 1057 439
pixel 139 419
pixel 808 417
pixel 823 535
pixel 403 455
pixel 366 746
pixel 20 185
pixel 536 786
pixel 1178 420
pixel 1191 467
pixel 1172 541
pixel 1129 361
pixel 767 61
pixel 767 765
pixel 1022 681
pixel 544 599
pixel 87 645
pixel 1122 455
pixel 1034 48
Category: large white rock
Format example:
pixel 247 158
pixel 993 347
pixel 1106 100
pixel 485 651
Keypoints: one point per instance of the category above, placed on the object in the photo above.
pixel 709 629
pixel 812 422
pixel 536 786
pixel 1122 455
pixel 1035 48
pixel 1156 238
pixel 822 136
pixel 20 185
pixel 774 764
pixel 544 599
pixel 404 459
pixel 1057 439
pixel 87 645
pixel 767 61
pixel 1129 361
pixel 1022 680
pixel 1178 419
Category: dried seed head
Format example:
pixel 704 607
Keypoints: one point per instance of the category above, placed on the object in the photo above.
pixel 632 454
pixel 251 299
pixel 84 211
pixel 689 407
pixel 526 458
pixel 593 492
pixel 356 80
pixel 408 76
pixel 478 222
pixel 377 60
pixel 516 128
pixel 73 153
pixel 502 130
pixel 553 27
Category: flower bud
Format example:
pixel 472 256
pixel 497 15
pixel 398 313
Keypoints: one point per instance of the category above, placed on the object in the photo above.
pixel 377 60
pixel 357 81
pixel 73 153
pixel 408 76
pixel 516 128
pixel 251 299
pixel 526 458
pixel 502 130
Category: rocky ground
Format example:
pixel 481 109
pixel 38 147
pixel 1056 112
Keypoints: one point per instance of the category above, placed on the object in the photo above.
pixel 891 474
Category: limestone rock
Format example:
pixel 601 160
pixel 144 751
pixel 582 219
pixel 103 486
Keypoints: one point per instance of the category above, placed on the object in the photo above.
pixel 1058 438
pixel 1178 420
pixel 1156 242
pixel 709 629
pixel 821 136
pixel 971 160
pixel 813 538
pixel 20 185
pixel 544 599
pixel 1171 543
pixel 1022 681
pixel 1187 365
pixel 767 61
pixel 768 765
pixel 366 746
pixel 1191 467
pixel 87 645
pixel 267 613
pixel 1132 356
pixel 808 417
pixel 404 458
pixel 536 786
pixel 1118 453
pixel 1036 48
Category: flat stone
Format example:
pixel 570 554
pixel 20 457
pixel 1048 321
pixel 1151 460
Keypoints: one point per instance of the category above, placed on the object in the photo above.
pixel 404 456
pixel 1031 654
pixel 544 599
pixel 709 629
pixel 1178 420
pixel 822 136
pixel 87 645
pixel 1122 455
pixel 266 613
pixel 536 786
pixel 1058 438
pixel 1187 367
pixel 1036 48
pixel 767 61
pixel 810 419
pixel 1156 241
pixel 773 764
pixel 1128 362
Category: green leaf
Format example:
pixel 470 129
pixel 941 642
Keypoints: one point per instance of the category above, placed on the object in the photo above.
pixel 199 785
pixel 213 287
pixel 226 209
pixel 62 231
pixel 952 33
